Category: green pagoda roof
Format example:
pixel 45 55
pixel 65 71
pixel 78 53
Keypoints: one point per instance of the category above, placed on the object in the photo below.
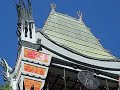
pixel 74 34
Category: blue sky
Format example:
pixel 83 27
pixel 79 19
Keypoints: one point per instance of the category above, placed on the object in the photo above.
pixel 101 16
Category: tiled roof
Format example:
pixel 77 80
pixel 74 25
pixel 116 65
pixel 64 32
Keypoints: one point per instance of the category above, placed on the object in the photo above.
pixel 74 34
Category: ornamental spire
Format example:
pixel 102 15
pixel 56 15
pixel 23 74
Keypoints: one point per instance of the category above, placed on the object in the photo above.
pixel 26 26
pixel 53 7
pixel 21 2
pixel 80 15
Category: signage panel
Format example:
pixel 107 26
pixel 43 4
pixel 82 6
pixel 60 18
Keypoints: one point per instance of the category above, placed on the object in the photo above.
pixel 35 69
pixel 28 83
pixel 41 57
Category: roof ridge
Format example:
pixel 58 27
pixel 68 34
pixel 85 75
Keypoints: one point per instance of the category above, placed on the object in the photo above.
pixel 66 15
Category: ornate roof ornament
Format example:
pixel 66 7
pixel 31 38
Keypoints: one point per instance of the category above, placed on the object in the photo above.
pixel 26 26
pixel 24 13
pixel 80 15
pixel 53 7
pixel 7 69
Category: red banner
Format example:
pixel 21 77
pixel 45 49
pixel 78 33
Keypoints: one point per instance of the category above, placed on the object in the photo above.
pixel 34 69
pixel 29 83
pixel 35 55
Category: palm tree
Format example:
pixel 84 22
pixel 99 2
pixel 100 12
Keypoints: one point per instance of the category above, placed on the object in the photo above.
pixel 5 86
pixel 1 87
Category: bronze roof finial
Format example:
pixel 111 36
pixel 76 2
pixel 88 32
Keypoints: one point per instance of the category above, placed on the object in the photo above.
pixel 80 15
pixel 53 6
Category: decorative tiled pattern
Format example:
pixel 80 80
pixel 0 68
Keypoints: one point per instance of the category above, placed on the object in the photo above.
pixel 29 83
pixel 35 55
pixel 34 69
pixel 74 34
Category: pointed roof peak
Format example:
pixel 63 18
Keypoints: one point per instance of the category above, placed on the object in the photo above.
pixel 24 11
pixel 80 15
pixel 53 7
pixel 22 3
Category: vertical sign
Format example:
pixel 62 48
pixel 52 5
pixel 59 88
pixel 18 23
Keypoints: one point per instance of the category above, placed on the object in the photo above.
pixel 35 69
pixel 37 56
pixel 28 83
